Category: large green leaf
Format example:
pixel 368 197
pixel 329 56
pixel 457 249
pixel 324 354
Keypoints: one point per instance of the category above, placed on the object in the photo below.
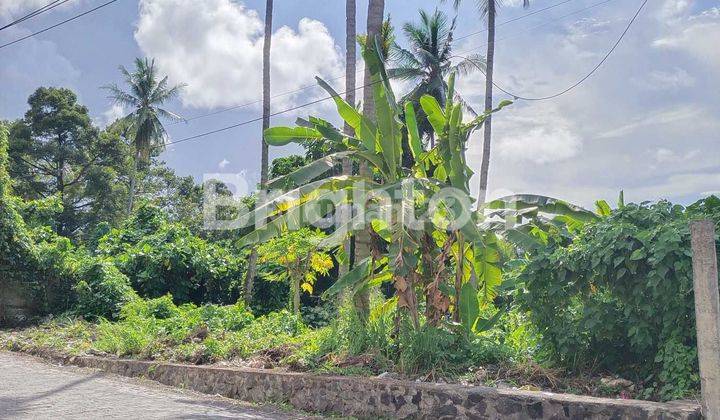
pixel 364 128
pixel 309 171
pixel 602 208
pixel 469 307
pixel 358 274
pixel 545 204
pixel 457 167
pixel 434 113
pixel 412 129
pixel 480 119
pixel 280 136
pixel 487 269
pixel 388 134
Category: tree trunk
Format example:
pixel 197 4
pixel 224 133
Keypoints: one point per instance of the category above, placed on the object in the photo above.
pixel 490 58
pixel 252 263
pixel 133 182
pixel 60 184
pixel 376 10
pixel 296 295
pixel 266 91
pixel 350 57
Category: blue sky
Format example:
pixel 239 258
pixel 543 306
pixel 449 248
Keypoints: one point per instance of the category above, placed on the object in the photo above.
pixel 647 122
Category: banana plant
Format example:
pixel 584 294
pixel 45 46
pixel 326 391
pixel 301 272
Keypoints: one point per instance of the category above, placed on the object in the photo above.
pixel 413 256
pixel 527 220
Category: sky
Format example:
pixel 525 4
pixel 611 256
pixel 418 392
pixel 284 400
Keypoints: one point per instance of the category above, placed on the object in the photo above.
pixel 647 122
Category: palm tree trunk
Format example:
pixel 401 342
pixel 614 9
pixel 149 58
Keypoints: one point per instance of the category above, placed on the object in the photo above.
pixel 350 56
pixel 376 10
pixel 133 182
pixel 252 263
pixel 266 91
pixel 490 59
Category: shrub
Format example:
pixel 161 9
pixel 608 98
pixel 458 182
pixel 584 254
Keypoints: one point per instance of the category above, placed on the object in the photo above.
pixel 166 258
pixel 620 296
pixel 101 289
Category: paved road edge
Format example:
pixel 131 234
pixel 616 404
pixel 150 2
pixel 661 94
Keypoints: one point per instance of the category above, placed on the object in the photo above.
pixel 376 397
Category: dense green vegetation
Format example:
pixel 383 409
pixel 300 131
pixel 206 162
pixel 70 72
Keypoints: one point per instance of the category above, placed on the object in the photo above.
pixel 528 290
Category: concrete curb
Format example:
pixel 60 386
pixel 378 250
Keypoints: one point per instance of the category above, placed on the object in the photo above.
pixel 375 397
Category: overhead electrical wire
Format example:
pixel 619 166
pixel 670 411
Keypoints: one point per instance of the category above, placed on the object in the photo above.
pixel 584 78
pixel 302 88
pixel 53 4
pixel 253 120
pixel 58 24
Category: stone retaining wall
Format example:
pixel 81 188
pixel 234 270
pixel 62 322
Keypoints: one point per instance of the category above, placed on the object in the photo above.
pixel 375 397
pixel 16 303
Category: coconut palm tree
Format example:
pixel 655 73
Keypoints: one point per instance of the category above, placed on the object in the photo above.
pixel 145 129
pixel 428 61
pixel 488 8
pixel 376 10
pixel 350 70
pixel 252 263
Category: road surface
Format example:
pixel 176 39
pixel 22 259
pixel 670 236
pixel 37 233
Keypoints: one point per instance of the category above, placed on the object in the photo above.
pixel 31 388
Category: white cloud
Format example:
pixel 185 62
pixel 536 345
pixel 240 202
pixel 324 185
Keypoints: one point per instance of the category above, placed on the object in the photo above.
pixel 663 155
pixel 223 163
pixel 651 119
pixel 679 185
pixel 695 35
pixel 672 9
pixel 215 47
pixel 666 80
pixel 115 112
pixel 524 135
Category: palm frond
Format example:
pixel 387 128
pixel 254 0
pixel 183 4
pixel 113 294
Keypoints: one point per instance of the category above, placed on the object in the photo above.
pixel 469 64
pixel 120 97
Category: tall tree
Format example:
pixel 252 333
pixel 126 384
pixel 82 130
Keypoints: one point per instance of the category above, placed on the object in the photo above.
pixel 252 263
pixel 488 8
pixel 428 62
pixel 350 70
pixel 145 130
pixel 376 10
pixel 57 151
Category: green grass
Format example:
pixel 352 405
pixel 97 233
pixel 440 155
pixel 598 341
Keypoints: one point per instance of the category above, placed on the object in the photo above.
pixel 157 329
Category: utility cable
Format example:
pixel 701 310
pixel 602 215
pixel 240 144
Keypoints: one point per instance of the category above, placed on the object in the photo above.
pixel 46 8
pixel 302 88
pixel 584 78
pixel 253 120
pixel 58 24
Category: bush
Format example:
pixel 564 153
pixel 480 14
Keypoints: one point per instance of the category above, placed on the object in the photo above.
pixel 620 296
pixel 101 289
pixel 166 258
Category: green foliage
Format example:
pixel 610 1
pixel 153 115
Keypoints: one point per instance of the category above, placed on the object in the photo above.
pixel 101 289
pixel 56 150
pixel 159 328
pixel 17 254
pixel 619 295
pixel 161 257
pixel 297 259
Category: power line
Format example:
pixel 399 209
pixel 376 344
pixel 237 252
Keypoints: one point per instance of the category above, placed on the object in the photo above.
pixel 587 76
pixel 53 4
pixel 527 15
pixel 253 120
pixel 302 88
pixel 58 24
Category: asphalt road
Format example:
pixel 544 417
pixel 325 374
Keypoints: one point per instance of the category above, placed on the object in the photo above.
pixel 31 388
